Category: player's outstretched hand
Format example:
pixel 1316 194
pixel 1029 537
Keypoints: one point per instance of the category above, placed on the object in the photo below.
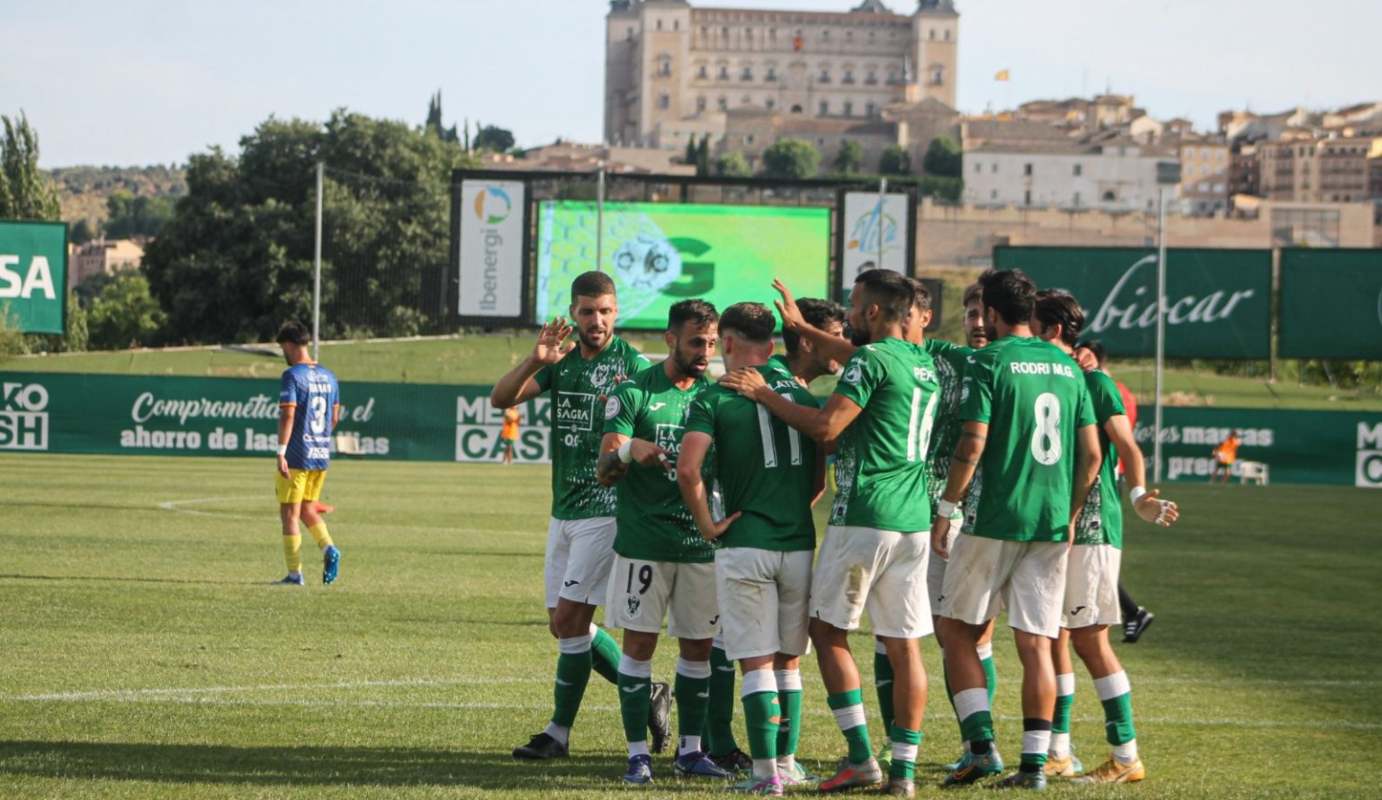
pixel 551 341
pixel 940 532
pixel 283 466
pixel 718 529
pixel 746 381
pixel 787 307
pixel 650 455
pixel 1153 509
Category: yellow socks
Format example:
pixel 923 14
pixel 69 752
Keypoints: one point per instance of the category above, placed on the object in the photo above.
pixel 292 552
pixel 319 533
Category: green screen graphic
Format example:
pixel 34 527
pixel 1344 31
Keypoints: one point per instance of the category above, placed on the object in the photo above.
pixel 660 254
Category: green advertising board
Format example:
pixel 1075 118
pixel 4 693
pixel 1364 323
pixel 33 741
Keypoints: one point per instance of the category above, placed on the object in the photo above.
pixel 661 253
pixel 1331 304
pixel 33 276
pixel 1218 301
pixel 1326 447
pixel 150 415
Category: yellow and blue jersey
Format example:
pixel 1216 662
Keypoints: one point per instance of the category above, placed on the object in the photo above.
pixel 313 391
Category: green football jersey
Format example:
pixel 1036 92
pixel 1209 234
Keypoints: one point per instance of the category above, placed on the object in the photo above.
pixel 880 464
pixel 1033 398
pixel 950 361
pixel 765 468
pixel 1101 521
pixel 579 387
pixel 654 524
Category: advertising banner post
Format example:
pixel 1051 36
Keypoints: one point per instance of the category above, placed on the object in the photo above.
pixel 33 276
pixel 877 231
pixel 1218 302
pixel 491 258
pixel 1331 304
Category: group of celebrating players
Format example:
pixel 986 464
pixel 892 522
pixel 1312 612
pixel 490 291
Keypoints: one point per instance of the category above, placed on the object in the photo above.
pixel 971 479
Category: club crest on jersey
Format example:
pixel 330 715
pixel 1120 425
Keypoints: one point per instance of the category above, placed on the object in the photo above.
pixel 612 408
pixel 601 375
pixel 634 603
pixel 853 374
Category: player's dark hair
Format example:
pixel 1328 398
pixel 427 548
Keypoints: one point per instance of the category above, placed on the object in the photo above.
pixel 1059 307
pixel 751 321
pixel 1096 346
pixel 1010 293
pixel 891 291
pixel 921 296
pixel 974 293
pixel 697 311
pixel 591 284
pixel 818 313
pixel 295 332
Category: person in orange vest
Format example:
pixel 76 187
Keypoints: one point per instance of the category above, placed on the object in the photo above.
pixel 508 435
pixel 1224 456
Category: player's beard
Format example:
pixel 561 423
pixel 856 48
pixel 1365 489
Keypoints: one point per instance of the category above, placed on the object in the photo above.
pixel 593 340
pixel 859 336
pixel 688 366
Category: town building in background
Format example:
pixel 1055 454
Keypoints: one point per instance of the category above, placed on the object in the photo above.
pixel 104 257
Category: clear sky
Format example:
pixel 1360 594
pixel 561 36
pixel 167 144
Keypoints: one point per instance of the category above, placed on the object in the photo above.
pixel 141 82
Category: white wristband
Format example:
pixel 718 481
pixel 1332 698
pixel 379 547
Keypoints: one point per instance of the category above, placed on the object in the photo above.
pixel 1137 493
pixel 283 449
pixel 626 452
pixel 945 509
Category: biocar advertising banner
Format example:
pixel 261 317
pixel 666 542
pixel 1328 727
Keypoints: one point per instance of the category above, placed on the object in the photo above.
pixel 1218 302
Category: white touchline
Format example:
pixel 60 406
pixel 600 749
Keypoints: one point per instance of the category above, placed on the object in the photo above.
pixel 177 506
pixel 154 693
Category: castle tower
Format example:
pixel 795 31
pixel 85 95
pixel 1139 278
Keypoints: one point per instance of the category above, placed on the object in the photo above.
pixel 935 47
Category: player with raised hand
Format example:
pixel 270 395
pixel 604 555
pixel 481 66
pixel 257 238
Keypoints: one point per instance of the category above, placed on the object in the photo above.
pixel 1028 421
pixel 580 536
pixel 662 567
pixel 309 406
pixel 1091 589
pixel 873 556
pixel 770 476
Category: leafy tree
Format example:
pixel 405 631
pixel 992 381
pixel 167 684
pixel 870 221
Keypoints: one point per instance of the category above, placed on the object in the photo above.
pixel 434 120
pixel 733 165
pixel 494 138
pixel 124 314
pixel 850 158
pixel 943 158
pixel 81 232
pixel 703 156
pixel 25 192
pixel 692 154
pixel 236 259
pixel 895 161
pixel 136 216
pixel 791 159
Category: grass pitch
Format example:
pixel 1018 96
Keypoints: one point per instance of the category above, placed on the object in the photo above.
pixel 145 656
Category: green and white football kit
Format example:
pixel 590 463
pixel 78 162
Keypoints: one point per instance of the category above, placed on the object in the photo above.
pixel 1091 584
pixel 1033 398
pixel 874 553
pixel 766 471
pixel 662 567
pixel 580 534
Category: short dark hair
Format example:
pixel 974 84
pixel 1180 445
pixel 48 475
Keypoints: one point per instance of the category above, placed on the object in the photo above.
pixel 1096 346
pixel 921 296
pixel 974 293
pixel 1010 293
pixel 891 291
pixel 751 321
pixel 591 284
pixel 697 311
pixel 1059 307
pixel 818 313
pixel 295 332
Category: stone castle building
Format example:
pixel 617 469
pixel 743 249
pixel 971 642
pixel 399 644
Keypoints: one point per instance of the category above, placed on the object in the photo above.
pixel 675 72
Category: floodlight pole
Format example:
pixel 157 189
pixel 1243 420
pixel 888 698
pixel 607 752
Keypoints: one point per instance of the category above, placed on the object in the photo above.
pixel 1160 332
pixel 882 196
pixel 600 219
pixel 317 272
